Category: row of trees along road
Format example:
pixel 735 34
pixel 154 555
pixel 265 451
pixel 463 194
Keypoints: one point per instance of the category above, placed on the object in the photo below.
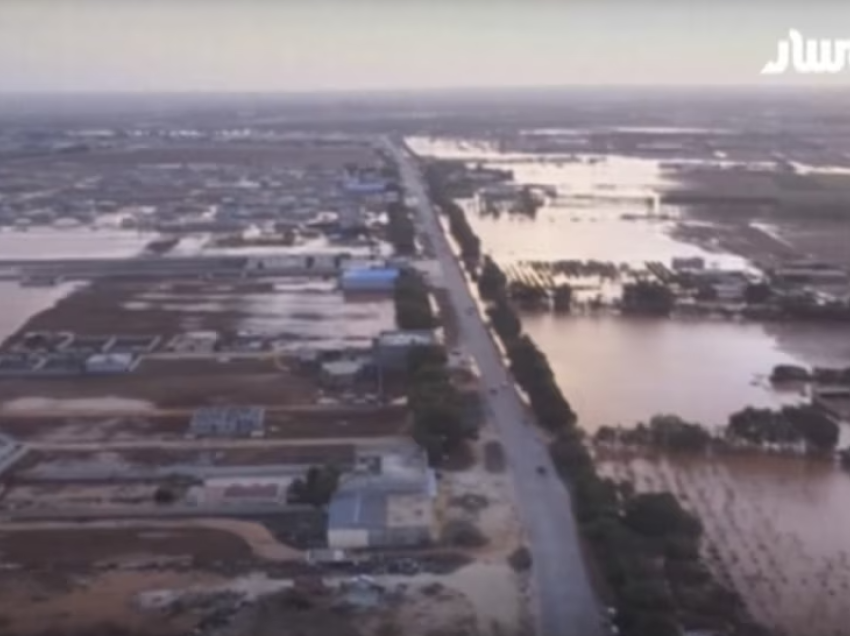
pixel 792 426
pixel 440 425
pixel 461 230
pixel 646 546
pixel 413 309
pixel 400 229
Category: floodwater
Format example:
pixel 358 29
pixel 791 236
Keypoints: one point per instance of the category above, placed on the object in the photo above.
pixel 21 303
pixel 776 530
pixel 297 310
pixel 776 527
pixel 44 244
pixel 617 370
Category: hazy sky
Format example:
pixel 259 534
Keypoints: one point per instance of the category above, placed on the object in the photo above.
pixel 279 45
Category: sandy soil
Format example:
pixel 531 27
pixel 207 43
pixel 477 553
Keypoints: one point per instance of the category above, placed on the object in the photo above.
pixel 210 540
pixel 495 516
pixel 296 424
pixel 231 382
pixel 33 604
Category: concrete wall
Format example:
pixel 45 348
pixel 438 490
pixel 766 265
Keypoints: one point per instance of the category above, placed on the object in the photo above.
pixel 400 537
pixel 347 539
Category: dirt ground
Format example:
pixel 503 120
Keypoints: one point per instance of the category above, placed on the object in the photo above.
pixel 253 456
pixel 737 238
pixel 106 308
pixel 786 239
pixel 55 548
pixel 36 604
pixel 289 423
pixel 483 495
pixel 176 384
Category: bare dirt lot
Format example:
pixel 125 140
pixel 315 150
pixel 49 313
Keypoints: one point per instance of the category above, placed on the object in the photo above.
pixel 41 604
pixel 172 384
pixel 63 547
pixel 293 423
pixel 337 454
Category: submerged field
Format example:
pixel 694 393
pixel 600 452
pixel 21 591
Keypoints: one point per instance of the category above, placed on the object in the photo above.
pixel 775 530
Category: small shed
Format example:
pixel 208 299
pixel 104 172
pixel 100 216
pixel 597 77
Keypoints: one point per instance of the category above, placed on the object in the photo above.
pixel 110 363
pixel 340 373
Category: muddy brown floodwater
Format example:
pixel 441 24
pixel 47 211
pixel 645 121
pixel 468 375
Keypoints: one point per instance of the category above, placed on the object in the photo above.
pixel 776 530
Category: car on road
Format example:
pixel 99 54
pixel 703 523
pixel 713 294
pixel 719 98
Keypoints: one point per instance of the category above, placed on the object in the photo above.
pixel 494 391
pixel 541 470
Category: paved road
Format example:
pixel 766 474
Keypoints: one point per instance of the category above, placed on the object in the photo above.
pixel 566 603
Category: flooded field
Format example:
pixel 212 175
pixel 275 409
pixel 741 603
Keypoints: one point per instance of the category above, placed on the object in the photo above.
pixel 776 527
pixel 616 370
pixel 21 303
pixel 46 243
pixel 776 530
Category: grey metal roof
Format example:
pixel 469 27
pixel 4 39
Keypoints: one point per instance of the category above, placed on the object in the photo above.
pixel 357 510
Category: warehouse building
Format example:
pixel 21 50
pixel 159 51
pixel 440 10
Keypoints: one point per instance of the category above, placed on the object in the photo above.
pixel 228 421
pixel 341 373
pixel 106 363
pixel 388 503
pixel 369 279
pixel 391 349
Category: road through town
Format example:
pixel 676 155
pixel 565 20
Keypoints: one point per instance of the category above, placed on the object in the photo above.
pixel 566 603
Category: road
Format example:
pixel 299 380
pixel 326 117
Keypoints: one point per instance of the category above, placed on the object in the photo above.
pixel 566 603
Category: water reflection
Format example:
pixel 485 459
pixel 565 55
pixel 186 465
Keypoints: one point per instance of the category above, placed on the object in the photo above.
pixel 619 370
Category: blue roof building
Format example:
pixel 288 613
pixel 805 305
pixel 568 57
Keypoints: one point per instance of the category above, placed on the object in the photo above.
pixel 380 279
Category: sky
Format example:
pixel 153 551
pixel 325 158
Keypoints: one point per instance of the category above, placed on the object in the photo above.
pixel 309 45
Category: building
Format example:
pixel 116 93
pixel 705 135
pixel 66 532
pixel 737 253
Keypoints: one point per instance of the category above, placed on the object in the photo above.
pixel 364 186
pixel 391 349
pixel 341 373
pixel 195 342
pixel 680 263
pixel 386 503
pixel 228 421
pixel 240 491
pixel 110 363
pixel 369 279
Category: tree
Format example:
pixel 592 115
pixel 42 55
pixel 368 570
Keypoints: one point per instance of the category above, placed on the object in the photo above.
pixel 440 429
pixel 655 624
pixel 424 357
pixel 648 297
pixel 820 432
pixel 757 293
pixel 164 495
pixel 412 302
pixel 656 515
pixel 400 229
pixel 492 282
pixel 316 488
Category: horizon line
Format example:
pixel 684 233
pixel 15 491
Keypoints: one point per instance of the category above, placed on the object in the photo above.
pixel 770 86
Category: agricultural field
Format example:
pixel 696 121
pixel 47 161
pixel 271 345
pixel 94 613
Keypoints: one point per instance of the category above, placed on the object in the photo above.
pixel 775 528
